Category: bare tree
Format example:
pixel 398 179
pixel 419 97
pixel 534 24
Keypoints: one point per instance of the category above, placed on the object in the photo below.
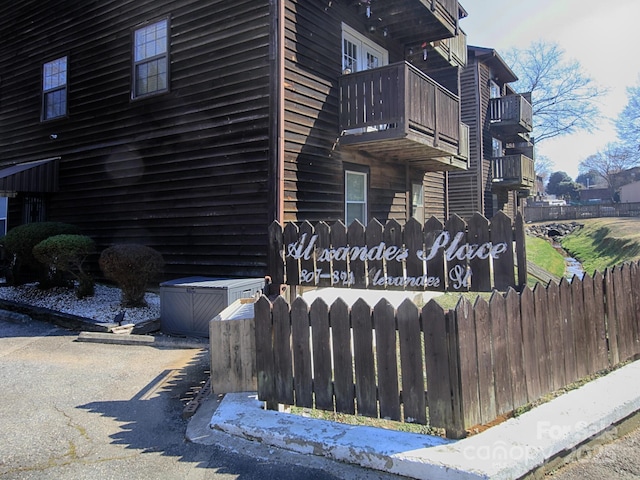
pixel 543 166
pixel 563 96
pixel 609 164
pixel 628 122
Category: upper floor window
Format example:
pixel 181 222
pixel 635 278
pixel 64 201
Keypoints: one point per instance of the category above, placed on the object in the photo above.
pixel 54 89
pixel 359 53
pixel 151 59
pixel 494 89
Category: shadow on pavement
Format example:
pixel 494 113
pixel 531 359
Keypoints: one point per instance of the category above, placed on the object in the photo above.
pixel 151 421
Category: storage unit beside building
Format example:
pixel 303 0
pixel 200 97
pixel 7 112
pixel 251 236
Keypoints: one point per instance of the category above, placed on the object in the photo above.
pixel 188 304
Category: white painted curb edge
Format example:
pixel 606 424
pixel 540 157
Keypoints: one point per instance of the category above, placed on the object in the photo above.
pixel 506 451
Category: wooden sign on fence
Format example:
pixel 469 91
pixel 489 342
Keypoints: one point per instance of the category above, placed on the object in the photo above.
pixel 456 256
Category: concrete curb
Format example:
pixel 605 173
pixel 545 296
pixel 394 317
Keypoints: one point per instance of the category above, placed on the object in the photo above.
pixel 65 320
pixel 93 332
pixel 148 340
pixel 510 450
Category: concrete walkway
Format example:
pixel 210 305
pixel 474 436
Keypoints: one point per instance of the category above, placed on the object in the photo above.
pixel 510 450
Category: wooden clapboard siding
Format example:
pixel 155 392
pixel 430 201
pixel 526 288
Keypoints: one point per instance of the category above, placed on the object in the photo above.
pixel 463 196
pixel 314 163
pixel 473 190
pixel 435 196
pixel 196 172
pixel 184 172
pixel 313 174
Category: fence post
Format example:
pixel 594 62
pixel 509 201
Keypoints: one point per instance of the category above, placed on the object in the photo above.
pixel 437 361
pixel 502 232
pixel 521 251
pixel 387 360
pixel 282 351
pixel 612 322
pixel 435 267
pixel 275 255
pixel 467 353
pixel 265 367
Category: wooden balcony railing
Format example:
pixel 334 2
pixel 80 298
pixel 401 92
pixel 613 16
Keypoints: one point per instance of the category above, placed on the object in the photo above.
pixel 447 11
pixel 514 172
pixel 510 116
pixel 453 50
pixel 399 112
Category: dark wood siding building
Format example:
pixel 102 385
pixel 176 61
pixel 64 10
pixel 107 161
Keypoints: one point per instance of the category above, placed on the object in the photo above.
pixel 250 114
pixel 501 152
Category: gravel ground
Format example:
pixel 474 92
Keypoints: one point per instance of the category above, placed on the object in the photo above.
pixel 102 307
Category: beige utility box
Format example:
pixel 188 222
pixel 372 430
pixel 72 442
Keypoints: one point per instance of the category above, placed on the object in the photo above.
pixel 233 348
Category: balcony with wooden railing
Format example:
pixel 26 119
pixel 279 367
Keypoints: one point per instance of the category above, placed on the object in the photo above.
pixel 511 117
pixel 398 112
pixel 513 172
pixel 453 50
pixel 416 21
pixel 447 12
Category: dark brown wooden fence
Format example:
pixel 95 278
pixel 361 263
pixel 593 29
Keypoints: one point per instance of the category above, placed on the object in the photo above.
pixel 455 256
pixel 454 369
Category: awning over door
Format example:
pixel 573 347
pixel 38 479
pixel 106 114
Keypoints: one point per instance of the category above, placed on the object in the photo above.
pixel 38 176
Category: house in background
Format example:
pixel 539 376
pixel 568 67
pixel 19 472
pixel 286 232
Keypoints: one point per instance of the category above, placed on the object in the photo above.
pixel 501 170
pixel 630 193
pixel 190 126
pixel 595 195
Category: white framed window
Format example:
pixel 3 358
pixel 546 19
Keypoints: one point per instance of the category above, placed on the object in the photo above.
pixel 359 53
pixel 496 148
pixel 417 201
pixel 355 195
pixel 54 89
pixel 151 59
pixel 494 89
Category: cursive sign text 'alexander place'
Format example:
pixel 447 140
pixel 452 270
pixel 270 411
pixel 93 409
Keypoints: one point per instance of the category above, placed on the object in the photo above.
pixel 452 247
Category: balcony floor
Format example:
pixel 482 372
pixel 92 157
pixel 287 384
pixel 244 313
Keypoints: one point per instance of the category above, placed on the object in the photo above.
pixel 416 149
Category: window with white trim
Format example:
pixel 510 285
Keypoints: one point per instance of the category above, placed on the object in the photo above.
pixel 151 59
pixel 496 148
pixel 494 89
pixel 355 194
pixel 417 201
pixel 359 53
pixel 54 89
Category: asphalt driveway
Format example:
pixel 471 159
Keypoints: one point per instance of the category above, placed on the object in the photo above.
pixel 75 410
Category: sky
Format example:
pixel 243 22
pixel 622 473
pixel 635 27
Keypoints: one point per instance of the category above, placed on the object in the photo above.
pixel 601 36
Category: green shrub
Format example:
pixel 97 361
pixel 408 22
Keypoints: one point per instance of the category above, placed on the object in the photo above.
pixel 67 253
pixel 132 267
pixel 19 243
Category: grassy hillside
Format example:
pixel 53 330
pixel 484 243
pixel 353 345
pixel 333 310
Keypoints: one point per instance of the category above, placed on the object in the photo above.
pixel 601 243
pixel 540 252
pixel 605 242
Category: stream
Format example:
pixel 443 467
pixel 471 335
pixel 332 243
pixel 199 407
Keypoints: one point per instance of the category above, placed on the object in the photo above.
pixel 572 266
